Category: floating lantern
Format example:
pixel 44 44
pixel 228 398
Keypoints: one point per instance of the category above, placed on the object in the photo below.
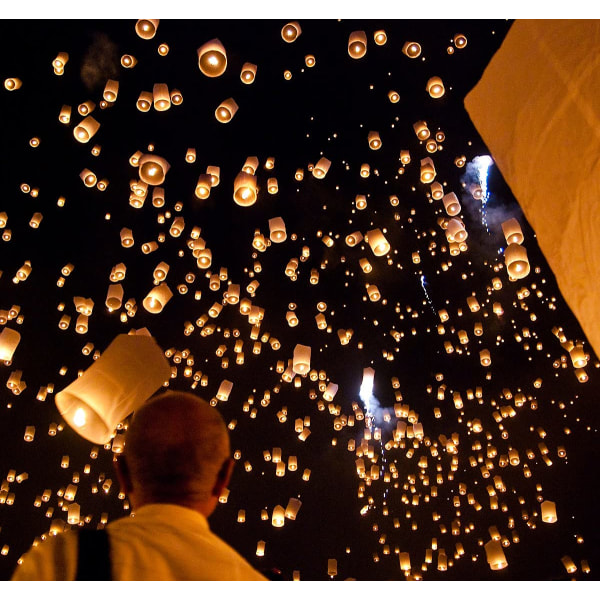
pixel 290 32
pixel 435 87
pixel 203 186
pixel 9 340
pixel 310 60
pixel 411 49
pixel 427 170
pixel 460 40
pixel 111 90
pixel 354 238
pixel 86 130
pixel 157 298
pixel 437 191
pixel 212 58
pixel 248 73
pixel 512 232
pixel 226 110
pixel 144 101
pixel 380 37
pixel 451 204
pixel 301 360
pixel 549 512
pixel 357 44
pixel 245 191
pixel 393 96
pixel 321 168
pixel 215 175
pixel 146 28
pixel 495 555
pixel 365 170
pixel 455 231
pixel 517 263
pixel 153 169
pixel 374 140
pixel 128 61
pixel 124 377
pixel 377 242
pixel 332 567
pixel 65 114
pixel 12 83
pixel 161 98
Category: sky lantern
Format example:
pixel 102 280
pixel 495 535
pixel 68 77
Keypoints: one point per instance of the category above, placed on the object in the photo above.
pixel 277 232
pixel 380 37
pixel 451 204
pixel 203 186
pixel 244 189
pixel 517 263
pixel 435 87
pixel 357 44
pixel 301 359
pixel 128 61
pixel 111 90
pixel 459 40
pixel 144 101
pixel 160 97
pixel 114 386
pixel 146 28
pixel 226 110
pixel 393 96
pixel 291 31
pixel 411 49
pixel 427 170
pixel 9 340
pixel 321 168
pixel 153 169
pixel 374 140
pixel 86 129
pixel 157 298
pixel 212 58
pixel 512 231
pixel 377 242
pixel 12 83
pixel 495 555
pixel 248 73
pixel 548 511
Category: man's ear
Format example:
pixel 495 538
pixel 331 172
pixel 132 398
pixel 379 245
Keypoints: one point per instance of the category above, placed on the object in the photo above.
pixel 123 475
pixel 223 476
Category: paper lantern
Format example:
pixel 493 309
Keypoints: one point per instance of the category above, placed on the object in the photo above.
pixel 272 185
pixel 226 110
pixel 177 227
pixel 12 83
pixel 157 298
pixel 86 130
pixel 421 130
pixel 111 90
pixel 354 238
pixel 321 168
pixel 114 297
pixel 245 191
pixel 144 101
pixel 512 232
pixel 290 32
pixel 85 108
pixel 495 555
pixel 248 73
pixel 125 375
pixel 455 231
pixel 128 61
pixel 517 263
pixel 437 191
pixel 161 98
pixel 549 511
pixel 365 170
pixel 301 360
pixel 153 169
pixel 460 40
pixel 377 242
pixel 224 390
pixel 484 358
pixel 357 44
pixel 212 58
pixel 9 340
pixel 435 87
pixel 428 173
pixel 451 204
pixel 393 96
pixel 374 140
pixel 332 567
pixel 310 60
pixel 373 292
pixel 411 49
pixel 163 49
pixel 568 564
pixel 176 97
pixel 215 175
pixel 146 28
pixel 380 37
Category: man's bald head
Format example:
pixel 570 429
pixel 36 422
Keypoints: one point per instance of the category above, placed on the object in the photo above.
pixel 175 449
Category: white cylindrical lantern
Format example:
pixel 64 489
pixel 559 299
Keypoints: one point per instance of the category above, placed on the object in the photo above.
pixel 451 204
pixel 277 231
pixel 517 263
pixel 357 44
pixel 160 97
pixel 157 298
pixel 377 242
pixel 512 232
pixel 291 31
pixel 549 511
pixel 9 340
pixel 301 360
pixel 428 173
pixel 146 28
pixel 435 87
pixel 212 58
pixel 248 73
pixel 153 169
pixel 244 189
pixel 321 168
pixel 495 555
pixel 86 130
pixel 125 375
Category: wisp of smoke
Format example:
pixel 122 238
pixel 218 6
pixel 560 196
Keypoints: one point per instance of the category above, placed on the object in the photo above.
pixel 100 62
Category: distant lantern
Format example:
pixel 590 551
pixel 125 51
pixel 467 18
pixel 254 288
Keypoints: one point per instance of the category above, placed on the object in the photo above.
pixel 85 108
pixel 146 28
pixel 277 231
pixel 332 567
pixel 393 96
pixel 153 169
pixel 460 161
pixel 124 376
pixel 226 110
pixel 374 140
pixel 310 60
pixel 377 242
pixel 203 186
pixel 437 190
pixel 411 49
pixel 157 298
pixel 512 232
pixel 163 49
pixel 291 31
pixel 212 58
pixel 272 185
pixel 301 359
pixel 176 97
pixel 248 74
pixel 435 87
pixel 484 358
pixel 455 231
pixel 549 511
pixel 126 237
pixel 361 202
pixel 128 61
pixel 357 44
pixel 517 263
pixel 160 97
pixel 451 204
pixel 460 40
pixel 321 168
pixel 65 114
pixel 89 179
pixel 244 189
pixel 215 175
pixel 354 238
pixel 12 83
pixel 495 555
pixel 114 297
pixel 421 130
pixel 365 170
pixel 427 170
pixel 144 101
pixel 380 37
pixel 111 90
pixel 86 130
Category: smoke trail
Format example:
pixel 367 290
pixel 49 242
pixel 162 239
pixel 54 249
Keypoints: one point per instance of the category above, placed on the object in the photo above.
pixel 100 62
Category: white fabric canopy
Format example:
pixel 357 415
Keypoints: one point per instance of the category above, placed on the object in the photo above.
pixel 537 108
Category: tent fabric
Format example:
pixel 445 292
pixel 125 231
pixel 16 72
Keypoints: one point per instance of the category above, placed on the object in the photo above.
pixel 537 108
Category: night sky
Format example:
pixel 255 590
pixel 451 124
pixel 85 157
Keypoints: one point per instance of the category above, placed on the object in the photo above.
pixel 435 497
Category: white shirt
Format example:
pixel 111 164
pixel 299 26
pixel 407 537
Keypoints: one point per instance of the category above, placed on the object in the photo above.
pixel 162 542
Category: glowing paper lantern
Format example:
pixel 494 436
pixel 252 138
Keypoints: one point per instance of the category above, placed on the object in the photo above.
pixel 357 44
pixel 244 189
pixel 512 232
pixel 460 40
pixel 321 168
pixel 377 242
pixel 146 28
pixel 128 61
pixel 435 87
pixel 517 263
pixel 160 97
pixel 393 96
pixel 212 58
pixel 144 101
pixel 226 110
pixel 380 37
pixel 153 169
pixel 411 49
pixel 86 130
pixel 111 90
pixel 495 555
pixel 451 204
pixel 9 340
pixel 114 297
pixel 549 512
pixel 277 231
pixel 374 140
pixel 427 174
pixel 124 377
pixel 301 360
pixel 157 298
pixel 12 83
pixel 455 231
pixel 290 32
pixel 248 73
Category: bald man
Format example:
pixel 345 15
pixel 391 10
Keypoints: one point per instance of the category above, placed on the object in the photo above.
pixel 175 466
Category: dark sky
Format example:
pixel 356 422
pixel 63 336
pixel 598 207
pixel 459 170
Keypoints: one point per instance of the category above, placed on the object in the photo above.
pixel 326 110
